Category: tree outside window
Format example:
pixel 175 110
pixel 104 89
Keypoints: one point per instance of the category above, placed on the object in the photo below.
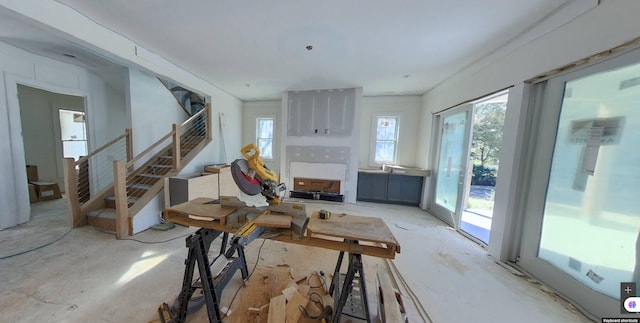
pixel 386 139
pixel 264 137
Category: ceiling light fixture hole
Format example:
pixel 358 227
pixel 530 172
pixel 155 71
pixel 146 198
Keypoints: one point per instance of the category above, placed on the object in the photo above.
pixel 309 47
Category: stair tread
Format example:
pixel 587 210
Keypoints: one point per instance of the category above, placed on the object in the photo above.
pixel 130 198
pixel 150 175
pixel 105 213
pixel 139 186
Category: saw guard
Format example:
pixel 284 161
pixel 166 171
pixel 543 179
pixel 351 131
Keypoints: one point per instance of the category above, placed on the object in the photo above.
pixel 248 185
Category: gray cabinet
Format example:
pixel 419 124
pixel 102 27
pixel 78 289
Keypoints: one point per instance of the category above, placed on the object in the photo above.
pixel 321 113
pixel 404 189
pixel 389 188
pixel 372 187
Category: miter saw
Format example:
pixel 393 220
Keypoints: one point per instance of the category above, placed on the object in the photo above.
pixel 253 177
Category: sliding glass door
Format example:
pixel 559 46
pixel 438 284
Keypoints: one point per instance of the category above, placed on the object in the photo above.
pixel 581 227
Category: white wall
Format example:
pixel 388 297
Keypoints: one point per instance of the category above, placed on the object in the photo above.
pixel 20 67
pixel 153 110
pixel 340 150
pixel 408 107
pixel 253 110
pixel 70 24
pixel 610 24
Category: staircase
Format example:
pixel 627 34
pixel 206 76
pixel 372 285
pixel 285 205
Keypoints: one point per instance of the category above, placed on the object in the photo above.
pixel 135 180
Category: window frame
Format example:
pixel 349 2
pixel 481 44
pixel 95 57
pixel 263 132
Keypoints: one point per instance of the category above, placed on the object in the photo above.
pixel 273 138
pixel 374 138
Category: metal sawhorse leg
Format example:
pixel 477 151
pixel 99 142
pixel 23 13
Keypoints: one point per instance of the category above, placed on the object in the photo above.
pixel 349 290
pixel 199 244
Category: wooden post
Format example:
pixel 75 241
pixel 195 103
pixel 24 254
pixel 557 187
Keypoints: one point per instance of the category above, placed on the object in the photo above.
pixel 122 203
pixel 129 143
pixel 83 190
pixel 176 147
pixel 208 118
pixel 71 190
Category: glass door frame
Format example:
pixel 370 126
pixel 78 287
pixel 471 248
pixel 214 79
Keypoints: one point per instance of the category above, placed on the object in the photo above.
pixel 441 212
pixel 536 170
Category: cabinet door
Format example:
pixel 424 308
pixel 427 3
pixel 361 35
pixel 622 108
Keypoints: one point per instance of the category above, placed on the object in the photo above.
pixel 341 106
pixel 404 189
pixel 372 187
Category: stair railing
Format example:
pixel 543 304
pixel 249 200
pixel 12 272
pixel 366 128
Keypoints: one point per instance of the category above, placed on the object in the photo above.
pixel 137 181
pixel 90 178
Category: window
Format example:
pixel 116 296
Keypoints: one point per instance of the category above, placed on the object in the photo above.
pixel 73 133
pixel 386 145
pixel 264 137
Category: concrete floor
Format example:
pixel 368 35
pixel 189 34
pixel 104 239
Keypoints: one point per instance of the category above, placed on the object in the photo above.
pixel 84 275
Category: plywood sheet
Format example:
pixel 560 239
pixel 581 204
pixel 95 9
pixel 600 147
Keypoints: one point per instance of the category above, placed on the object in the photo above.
pixel 274 221
pixel 201 208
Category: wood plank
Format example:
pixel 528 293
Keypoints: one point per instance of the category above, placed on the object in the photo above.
pixel 388 252
pixel 274 221
pixel 352 227
pixel 202 208
pixel 71 188
pixel 277 309
pixel 292 309
pixel 390 309
pixel 304 290
pixel 289 291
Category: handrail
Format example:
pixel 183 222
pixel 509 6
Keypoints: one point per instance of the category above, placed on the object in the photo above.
pixel 103 147
pixel 193 117
pixel 150 148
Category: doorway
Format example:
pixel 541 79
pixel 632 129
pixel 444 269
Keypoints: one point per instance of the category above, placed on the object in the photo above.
pixel 47 133
pixel 48 218
pixel 483 166
pixel 466 167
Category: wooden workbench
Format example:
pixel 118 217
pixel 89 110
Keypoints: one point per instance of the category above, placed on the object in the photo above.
pixel 372 236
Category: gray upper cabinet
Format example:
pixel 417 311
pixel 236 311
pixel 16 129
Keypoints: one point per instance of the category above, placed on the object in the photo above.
pixel 321 113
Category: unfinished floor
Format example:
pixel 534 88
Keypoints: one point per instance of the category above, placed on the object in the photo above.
pixel 84 275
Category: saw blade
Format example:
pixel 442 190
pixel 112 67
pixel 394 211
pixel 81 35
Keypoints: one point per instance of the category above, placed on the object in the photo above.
pixel 240 170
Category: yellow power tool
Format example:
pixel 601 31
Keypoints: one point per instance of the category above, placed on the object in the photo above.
pixel 253 177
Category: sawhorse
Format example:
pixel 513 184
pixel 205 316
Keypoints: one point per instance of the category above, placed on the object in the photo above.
pixel 349 290
pixel 199 244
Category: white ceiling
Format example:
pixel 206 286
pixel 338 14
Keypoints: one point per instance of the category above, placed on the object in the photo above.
pixel 256 49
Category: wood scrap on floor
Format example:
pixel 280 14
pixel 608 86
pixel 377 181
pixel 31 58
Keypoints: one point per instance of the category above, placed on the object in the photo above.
pixel 261 300
pixel 277 309
pixel 293 310
pixel 388 306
